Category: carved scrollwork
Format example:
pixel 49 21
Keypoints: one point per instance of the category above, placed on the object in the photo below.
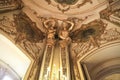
pixel 34 49
pixel 67 26
pixel 28 35
pixel 7 26
pixel 91 31
pixel 24 32
pixel 65 5
pixel 50 26
pixel 9 5
pixel 83 48
pixel 97 36
pixel 109 35
pixel 64 61
pixel 26 29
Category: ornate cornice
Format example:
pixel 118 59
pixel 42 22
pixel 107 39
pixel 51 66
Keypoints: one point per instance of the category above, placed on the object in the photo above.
pixel 9 5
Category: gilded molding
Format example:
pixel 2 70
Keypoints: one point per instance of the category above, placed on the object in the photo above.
pixel 65 5
pixel 23 32
pixel 9 5
pixel 109 35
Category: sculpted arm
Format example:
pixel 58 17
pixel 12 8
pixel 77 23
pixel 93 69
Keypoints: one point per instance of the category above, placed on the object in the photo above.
pixel 72 25
pixel 48 22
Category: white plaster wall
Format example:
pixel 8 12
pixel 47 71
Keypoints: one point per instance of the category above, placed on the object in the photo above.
pixel 11 55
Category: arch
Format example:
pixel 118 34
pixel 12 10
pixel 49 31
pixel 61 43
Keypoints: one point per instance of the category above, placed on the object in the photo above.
pixel 101 62
pixel 13 56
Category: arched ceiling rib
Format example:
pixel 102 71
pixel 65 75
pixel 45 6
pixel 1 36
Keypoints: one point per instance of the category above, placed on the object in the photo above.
pixel 42 5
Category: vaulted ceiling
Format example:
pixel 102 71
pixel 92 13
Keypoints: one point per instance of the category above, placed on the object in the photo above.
pixel 95 25
pixel 66 8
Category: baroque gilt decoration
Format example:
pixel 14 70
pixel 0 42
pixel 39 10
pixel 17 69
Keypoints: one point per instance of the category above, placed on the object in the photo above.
pixel 60 39
pixel 65 5
pixel 90 31
pixel 24 32
pixel 28 34
pixel 107 37
pixel 27 29
pixel 9 5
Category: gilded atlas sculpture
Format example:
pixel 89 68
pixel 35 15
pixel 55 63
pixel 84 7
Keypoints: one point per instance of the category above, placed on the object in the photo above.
pixel 65 5
pixel 61 32
pixel 50 26
pixel 64 32
pixel 54 31
pixel 58 32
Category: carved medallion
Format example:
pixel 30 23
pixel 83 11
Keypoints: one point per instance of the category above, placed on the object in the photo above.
pixel 69 2
pixel 65 5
